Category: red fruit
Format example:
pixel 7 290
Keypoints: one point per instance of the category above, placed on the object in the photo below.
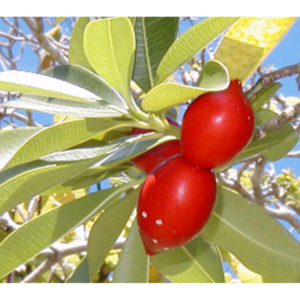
pixel 217 126
pixel 174 204
pixel 152 158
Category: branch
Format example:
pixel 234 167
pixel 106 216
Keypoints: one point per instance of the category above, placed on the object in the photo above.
pixel 57 251
pixel 37 29
pixel 284 213
pixel 287 115
pixel 54 255
pixel 267 79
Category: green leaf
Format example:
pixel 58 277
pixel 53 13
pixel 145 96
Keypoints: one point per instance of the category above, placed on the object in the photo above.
pixel 87 178
pixel 134 146
pixel 265 96
pixel 190 43
pixel 23 182
pixel 276 144
pixel 63 107
pixel 60 19
pixel 11 141
pixel 109 45
pixel 273 147
pixel 80 274
pixel 42 231
pixel 154 36
pixel 258 241
pixel 196 262
pixel 85 79
pixel 106 230
pixel 53 138
pixel 76 52
pixel 41 85
pixel 133 266
pixel 80 153
pixel 214 77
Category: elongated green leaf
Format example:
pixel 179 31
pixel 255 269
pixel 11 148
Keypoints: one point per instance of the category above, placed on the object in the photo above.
pixel 214 77
pixel 109 45
pixel 190 43
pixel 76 52
pixel 11 141
pixel 154 36
pixel 60 19
pixel 63 107
pixel 41 85
pixel 265 96
pixel 87 178
pixel 134 146
pixel 80 274
pixel 86 79
pixel 274 146
pixel 258 241
pixel 53 138
pixel 196 262
pixel 106 230
pixel 80 153
pixel 45 229
pixel 23 182
pixel 133 266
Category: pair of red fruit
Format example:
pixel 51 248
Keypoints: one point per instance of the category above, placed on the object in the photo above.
pixel 179 194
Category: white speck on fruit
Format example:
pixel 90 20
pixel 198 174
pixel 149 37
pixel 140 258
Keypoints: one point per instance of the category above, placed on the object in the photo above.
pixel 166 248
pixel 159 222
pixel 154 241
pixel 144 214
pixel 248 118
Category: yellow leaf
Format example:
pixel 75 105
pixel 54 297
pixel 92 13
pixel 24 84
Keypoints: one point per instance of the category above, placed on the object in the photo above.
pixel 248 43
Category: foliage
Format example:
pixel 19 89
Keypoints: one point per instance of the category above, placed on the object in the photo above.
pixel 68 190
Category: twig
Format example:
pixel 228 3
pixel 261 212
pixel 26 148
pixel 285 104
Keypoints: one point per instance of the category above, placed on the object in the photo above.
pixel 256 179
pixel 294 154
pixel 54 254
pixel 287 115
pixel 37 29
pixel 267 79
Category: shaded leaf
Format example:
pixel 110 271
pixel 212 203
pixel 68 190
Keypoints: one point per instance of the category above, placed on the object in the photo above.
pixel 133 266
pixel 63 107
pixel 196 262
pixel 265 96
pixel 106 230
pixel 85 79
pixel 23 182
pixel 42 231
pixel 154 36
pixel 80 274
pixel 248 42
pixel 53 138
pixel 258 241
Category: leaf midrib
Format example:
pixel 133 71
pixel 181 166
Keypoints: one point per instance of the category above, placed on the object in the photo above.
pixel 197 264
pixel 115 63
pixel 254 241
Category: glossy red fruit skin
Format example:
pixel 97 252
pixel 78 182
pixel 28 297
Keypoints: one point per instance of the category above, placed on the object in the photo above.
pixel 152 158
pixel 217 126
pixel 174 204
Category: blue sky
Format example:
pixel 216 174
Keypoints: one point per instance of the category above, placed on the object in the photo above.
pixel 285 53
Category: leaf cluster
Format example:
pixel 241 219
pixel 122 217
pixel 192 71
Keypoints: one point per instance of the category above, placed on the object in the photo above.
pixel 93 100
